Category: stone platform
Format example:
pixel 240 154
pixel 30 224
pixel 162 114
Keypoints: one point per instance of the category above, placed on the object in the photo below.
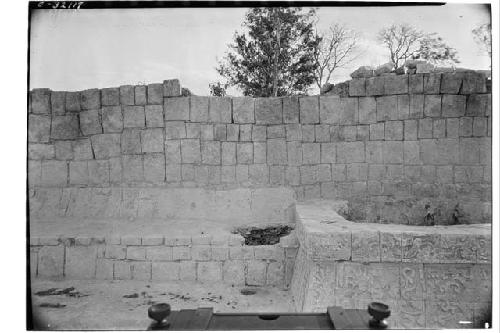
pixel 431 277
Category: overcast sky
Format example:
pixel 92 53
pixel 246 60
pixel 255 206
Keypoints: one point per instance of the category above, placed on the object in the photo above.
pixel 76 50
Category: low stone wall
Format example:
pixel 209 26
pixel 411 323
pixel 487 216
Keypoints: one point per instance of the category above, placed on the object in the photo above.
pixel 156 258
pixel 431 277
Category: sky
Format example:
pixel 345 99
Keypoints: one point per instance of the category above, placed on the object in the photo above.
pixel 82 49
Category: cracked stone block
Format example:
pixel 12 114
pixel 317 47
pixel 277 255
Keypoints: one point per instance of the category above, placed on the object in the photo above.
pixel 82 149
pixel 106 145
pixel 451 83
pixel 110 96
pixel 90 99
pixel 90 122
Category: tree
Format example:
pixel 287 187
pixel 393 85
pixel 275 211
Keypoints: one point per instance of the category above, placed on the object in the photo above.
pixel 335 50
pixel 217 89
pixel 275 56
pixel 406 42
pixel 482 36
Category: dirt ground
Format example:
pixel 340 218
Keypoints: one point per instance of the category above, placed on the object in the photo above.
pixel 123 305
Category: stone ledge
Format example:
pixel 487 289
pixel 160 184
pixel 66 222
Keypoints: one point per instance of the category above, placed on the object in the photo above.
pixel 325 235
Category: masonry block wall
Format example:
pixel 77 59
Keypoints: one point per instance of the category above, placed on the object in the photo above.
pixel 408 149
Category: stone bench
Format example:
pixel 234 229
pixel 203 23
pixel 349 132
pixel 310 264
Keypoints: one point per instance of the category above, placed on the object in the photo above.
pixel 430 276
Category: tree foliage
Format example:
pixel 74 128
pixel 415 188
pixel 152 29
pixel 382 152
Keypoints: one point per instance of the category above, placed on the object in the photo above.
pixel 336 49
pixel 482 36
pixel 274 56
pixel 406 42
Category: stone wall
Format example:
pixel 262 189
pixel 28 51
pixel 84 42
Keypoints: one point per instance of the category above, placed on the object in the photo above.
pixel 406 149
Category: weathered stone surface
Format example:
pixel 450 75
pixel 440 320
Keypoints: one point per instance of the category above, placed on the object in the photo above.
pixel 176 108
pixel 209 271
pixel 394 130
pixel 350 152
pixel 478 105
pixel 171 88
pixel 453 105
pixel 155 93
pixel 396 84
pixel 90 99
pixel 58 102
pixel 375 86
pixel 421 248
pixel 64 127
pixel 339 111
pixel 132 168
pixel 390 247
pixel 384 68
pixel 234 272
pixel 366 246
pixel 112 119
pixel 54 173
pixel 51 261
pixel 154 168
pixel 290 110
pixel 199 109
pixel 154 116
pixel 256 273
pixel 73 101
pixel 268 111
pixel 110 96
pixel 63 150
pixel 357 87
pixel 432 83
pixel 309 110
pixel 131 141
pixel 80 262
pixel 165 271
pixel 38 128
pixel 133 116
pixel 276 152
pixel 140 95
pixel 243 110
pixel 246 132
pixel 416 84
pixel 78 173
pixel 82 149
pixel 457 249
pixel 175 130
pixel 363 71
pixel 106 145
pixel 122 270
pixel 190 151
pixel 387 108
pixel 244 153
pixel 127 95
pixel 259 152
pixel 211 152
pixel 219 110
pixel 90 122
pixel 152 140
pixel 98 172
pixel 367 110
pixel 104 269
pixel 451 83
pixel 473 83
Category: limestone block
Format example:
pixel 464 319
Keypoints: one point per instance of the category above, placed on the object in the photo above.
pixel 294 153
pixel 152 240
pixel 199 109
pixel 58 102
pixel 152 140
pixel 350 152
pixel 176 108
pixel 451 83
pixel 243 110
pixel 140 95
pixel 322 133
pixel 233 272
pixel 352 280
pixel 469 152
pixel 165 271
pixel 78 173
pixel 173 151
pixel 259 133
pixel 367 110
pixel 73 101
pixel 131 141
pixel 465 126
pixel 416 106
pixel 155 94
pixel 394 130
pixel 269 252
pixel 34 173
pixel 439 128
pixel 220 132
pixel 232 132
pixel 106 145
pixel 245 132
pixel 80 262
pixel 64 127
pixel 201 253
pixel 241 252
pixel 219 110
pixel 290 110
pixel 98 172
pixel 115 252
pixel 133 116
pixel 159 253
pixel 211 152
pixel 132 168
pixel 311 153
pixel 483 249
pixel 275 274
pixel 416 84
pixel 375 86
pixel 384 280
pixel 478 105
pixel 479 126
pixel 154 168
pixel 209 271
pixel 104 269
pixel 366 247
pixel 276 152
pixel 171 88
pixel 357 87
pixel 127 95
pixel 328 153
pixel 112 119
pixel 420 248
pixel 452 105
pixel 395 84
pixel 90 122
pixel 452 127
pixel 277 175
pixel 387 108
pixel 339 111
pixel 54 173
pixel 110 96
pixel 122 270
pixel 175 130
pixel 154 116
pixel 258 174
pixel 276 132
pixel 308 133
pixel 425 127
pixel 228 153
pixel 187 271
pixel 432 83
pixel 377 131
pixel 309 109
pixel 473 83
pixel 38 151
pixel 256 273
pixel 51 261
pixel 268 111
pixel 457 249
pixel 403 106
pixel 181 253
pixel 244 153
pixel 390 247
pixel 141 271
pixel 190 151
pixel 357 171
pixel 259 152
pixel 410 129
pixel 90 99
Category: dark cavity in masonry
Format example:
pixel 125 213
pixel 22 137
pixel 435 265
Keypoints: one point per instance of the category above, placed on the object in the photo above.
pixel 264 236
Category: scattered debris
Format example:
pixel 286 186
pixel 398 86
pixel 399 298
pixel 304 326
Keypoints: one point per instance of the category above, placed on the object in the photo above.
pixel 52 305
pixel 134 295
pixel 248 291
pixel 264 236
pixel 70 292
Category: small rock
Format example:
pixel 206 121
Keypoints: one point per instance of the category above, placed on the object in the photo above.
pixel 326 88
pixel 363 71
pixel 400 70
pixel 412 63
pixel 411 71
pixel 424 68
